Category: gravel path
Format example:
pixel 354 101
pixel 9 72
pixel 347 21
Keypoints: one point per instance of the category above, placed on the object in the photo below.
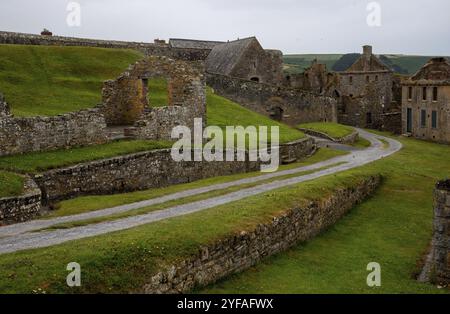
pixel 17 237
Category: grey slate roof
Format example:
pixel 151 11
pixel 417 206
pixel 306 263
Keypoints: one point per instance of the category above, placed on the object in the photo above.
pixel 193 44
pixel 223 58
pixel 372 65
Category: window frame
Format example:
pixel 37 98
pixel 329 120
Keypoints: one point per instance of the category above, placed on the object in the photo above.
pixel 423 118
pixel 434 119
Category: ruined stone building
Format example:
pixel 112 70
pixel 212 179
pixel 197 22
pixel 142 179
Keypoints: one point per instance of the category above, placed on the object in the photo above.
pixel 246 59
pixel 426 102
pixel 366 91
pixel 316 79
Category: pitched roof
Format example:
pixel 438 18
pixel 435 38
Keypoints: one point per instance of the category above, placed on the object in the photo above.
pixel 223 58
pixel 193 44
pixel 368 64
pixel 436 69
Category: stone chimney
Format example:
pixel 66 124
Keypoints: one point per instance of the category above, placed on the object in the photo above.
pixel 367 51
pixel 441 238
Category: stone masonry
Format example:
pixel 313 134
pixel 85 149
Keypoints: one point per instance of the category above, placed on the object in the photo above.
pixel 33 134
pixel 21 208
pixel 441 238
pixel 239 252
pixel 289 105
pixel 125 99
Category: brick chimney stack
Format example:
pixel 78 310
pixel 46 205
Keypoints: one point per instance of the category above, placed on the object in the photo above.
pixel 367 51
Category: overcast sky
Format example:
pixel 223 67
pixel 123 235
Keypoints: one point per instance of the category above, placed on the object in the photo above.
pixel 293 26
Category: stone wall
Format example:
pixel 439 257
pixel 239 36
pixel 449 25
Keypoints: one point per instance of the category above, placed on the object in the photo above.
pixel 146 48
pixel 125 99
pixel 4 108
pixel 291 152
pixel 239 252
pixel 21 208
pixel 349 139
pixel 32 134
pixel 441 238
pixel 289 105
pixel 392 122
pixel 153 169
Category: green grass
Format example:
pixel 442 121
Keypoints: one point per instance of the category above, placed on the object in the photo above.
pixel 41 161
pixel 158 95
pixel 10 184
pixel 223 112
pixel 362 143
pixel 90 203
pixel 44 80
pixel 392 228
pixel 333 130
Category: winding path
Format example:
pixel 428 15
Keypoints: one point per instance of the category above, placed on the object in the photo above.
pixel 21 236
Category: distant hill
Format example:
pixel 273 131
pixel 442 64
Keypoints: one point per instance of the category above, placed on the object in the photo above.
pixel 401 64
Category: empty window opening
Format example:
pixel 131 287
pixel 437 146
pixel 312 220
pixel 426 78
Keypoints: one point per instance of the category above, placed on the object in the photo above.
pixel 158 92
pixel 435 93
pixel 369 118
pixel 410 93
pixel 424 93
pixel 423 118
pixel 434 119
pixel 255 79
pixel 368 79
pixel 350 80
pixel 376 78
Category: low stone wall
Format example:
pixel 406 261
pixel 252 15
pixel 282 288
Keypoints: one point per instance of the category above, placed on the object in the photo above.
pixel 146 170
pixel 291 152
pixel 242 251
pixel 348 140
pixel 440 260
pixel 32 134
pixel 21 208
pixel 154 169
pixel 292 106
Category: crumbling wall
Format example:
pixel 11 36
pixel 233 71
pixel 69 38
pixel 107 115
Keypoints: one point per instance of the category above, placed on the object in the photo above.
pixel 4 108
pixel 33 134
pixel 441 238
pixel 293 106
pixel 125 99
pixel 21 208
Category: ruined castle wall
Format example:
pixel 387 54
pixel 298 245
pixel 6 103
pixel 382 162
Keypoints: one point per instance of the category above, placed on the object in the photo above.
pixel 21 208
pixel 441 238
pixel 297 106
pixel 32 134
pixel 154 169
pixel 239 252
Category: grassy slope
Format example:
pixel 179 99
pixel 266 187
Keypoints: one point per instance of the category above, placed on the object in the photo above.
pixel 392 228
pixel 10 184
pixel 158 92
pixel 35 162
pixel 223 112
pixel 39 80
pixel 335 130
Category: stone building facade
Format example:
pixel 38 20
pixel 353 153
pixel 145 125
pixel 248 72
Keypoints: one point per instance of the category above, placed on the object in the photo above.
pixel 426 102
pixel 366 91
pixel 246 59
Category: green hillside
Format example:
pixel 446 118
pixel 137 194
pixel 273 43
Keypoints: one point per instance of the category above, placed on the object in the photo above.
pixel 402 64
pixel 39 80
